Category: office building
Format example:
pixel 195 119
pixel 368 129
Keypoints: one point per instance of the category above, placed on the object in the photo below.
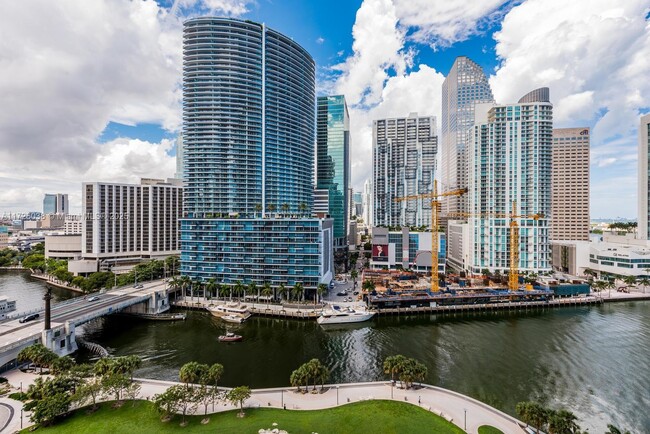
pixel 56 204
pixel 72 225
pixel 123 224
pixel 180 159
pixel 570 184
pixel 510 163
pixel 66 247
pixel 405 249
pixel 367 203
pixel 643 229
pixel 248 138
pixel 465 86
pixel 333 161
pixel 404 162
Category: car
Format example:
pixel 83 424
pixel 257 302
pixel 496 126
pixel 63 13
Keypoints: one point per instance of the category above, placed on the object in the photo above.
pixel 28 318
pixel 341 294
pixel 138 286
pixel 93 298
pixel 348 299
pixel 356 292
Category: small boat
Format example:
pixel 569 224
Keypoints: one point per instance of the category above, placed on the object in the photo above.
pixel 233 318
pixel 230 337
pixel 337 315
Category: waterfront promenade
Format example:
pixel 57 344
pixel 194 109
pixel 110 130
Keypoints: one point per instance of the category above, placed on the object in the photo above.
pixel 463 411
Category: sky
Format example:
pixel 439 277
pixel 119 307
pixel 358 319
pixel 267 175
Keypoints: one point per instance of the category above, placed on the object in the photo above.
pixel 91 88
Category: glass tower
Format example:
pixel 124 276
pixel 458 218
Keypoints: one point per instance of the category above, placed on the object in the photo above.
pixel 333 160
pixel 464 87
pixel 248 140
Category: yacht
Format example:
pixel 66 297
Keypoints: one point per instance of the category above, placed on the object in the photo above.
pixel 231 312
pixel 342 315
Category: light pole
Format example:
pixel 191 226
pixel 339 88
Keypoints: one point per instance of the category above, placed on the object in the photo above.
pixel 21 418
pixel 337 395
pixel 465 410
pixel 392 385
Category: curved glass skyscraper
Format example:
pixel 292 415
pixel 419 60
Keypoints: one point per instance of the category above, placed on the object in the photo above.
pixel 248 120
pixel 248 138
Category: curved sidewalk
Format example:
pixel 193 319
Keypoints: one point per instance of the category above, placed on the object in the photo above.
pixel 463 411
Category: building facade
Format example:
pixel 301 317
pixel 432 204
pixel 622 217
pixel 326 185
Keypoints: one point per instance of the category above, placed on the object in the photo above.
pixel 248 137
pixel 405 249
pixel 180 157
pixel 510 163
pixel 56 204
pixel 367 203
pixel 465 86
pixel 63 246
pixel 333 161
pixel 570 184
pixel 404 163
pixel 644 178
pixel 123 223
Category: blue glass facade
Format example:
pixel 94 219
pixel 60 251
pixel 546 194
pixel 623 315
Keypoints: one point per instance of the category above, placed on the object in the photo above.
pixel 333 160
pixel 248 138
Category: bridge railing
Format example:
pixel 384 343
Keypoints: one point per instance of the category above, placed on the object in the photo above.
pixel 116 308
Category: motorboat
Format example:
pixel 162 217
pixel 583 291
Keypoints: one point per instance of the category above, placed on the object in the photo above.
pixel 336 314
pixel 230 337
pixel 231 312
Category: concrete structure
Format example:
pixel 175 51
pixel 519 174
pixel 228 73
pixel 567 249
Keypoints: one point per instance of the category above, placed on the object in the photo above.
pixel 510 160
pixel 571 257
pixel 56 204
pixel 333 161
pixel 458 248
pixel 321 203
pixel 570 184
pixel 248 135
pixel 180 157
pixel 63 246
pixel 368 210
pixel 644 178
pixel 464 87
pixel 4 237
pixel 405 249
pixel 126 223
pixel 72 225
pixel 404 163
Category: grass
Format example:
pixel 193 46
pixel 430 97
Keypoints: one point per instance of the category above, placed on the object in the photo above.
pixel 367 416
pixel 487 429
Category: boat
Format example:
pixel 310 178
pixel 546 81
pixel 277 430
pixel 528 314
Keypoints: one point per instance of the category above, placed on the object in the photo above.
pixel 343 315
pixel 230 310
pixel 230 337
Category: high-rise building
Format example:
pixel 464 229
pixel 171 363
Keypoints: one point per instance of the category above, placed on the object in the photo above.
pixel 510 162
pixel 404 162
pixel 180 159
pixel 643 229
pixel 367 203
pixel 464 87
pixel 127 222
pixel 56 204
pixel 333 161
pixel 248 136
pixel 570 185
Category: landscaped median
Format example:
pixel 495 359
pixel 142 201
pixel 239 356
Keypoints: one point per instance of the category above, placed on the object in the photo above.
pixel 360 417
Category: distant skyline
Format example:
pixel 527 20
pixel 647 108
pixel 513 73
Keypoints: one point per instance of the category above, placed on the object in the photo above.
pixel 92 92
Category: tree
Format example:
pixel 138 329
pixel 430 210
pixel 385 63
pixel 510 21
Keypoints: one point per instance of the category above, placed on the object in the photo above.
pixel 132 391
pixel 212 286
pixel 267 291
pixel 258 207
pixel 44 411
pixel 302 208
pixel 297 378
pixel 532 414
pixel 562 422
pixel 192 373
pixel 176 399
pixel 252 288
pixel 271 208
pixel 354 274
pixel 212 377
pixel 630 280
pixel 89 390
pixel 645 282
pixel 368 285
pixel 285 208
pixel 393 366
pixel 114 384
pixel 282 291
pixel 611 429
pixel 224 291
pixel 238 395
pixel 62 364
pixel 320 291
pixel 38 355
pixel 238 289
pixel 300 290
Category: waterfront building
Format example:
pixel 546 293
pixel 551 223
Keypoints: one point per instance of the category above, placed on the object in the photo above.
pixel 644 179
pixel 124 224
pixel 180 159
pixel 404 162
pixel 367 203
pixel 405 249
pixel 570 184
pixel 248 138
pixel 333 161
pixel 56 204
pixel 465 86
pixel 510 163
pixel 59 246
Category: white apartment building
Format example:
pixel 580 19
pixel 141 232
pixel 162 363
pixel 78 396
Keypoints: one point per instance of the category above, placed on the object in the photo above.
pixel 72 225
pixel 404 163
pixel 127 222
pixel 644 179
pixel 510 162
pixel 366 200
pixel 570 184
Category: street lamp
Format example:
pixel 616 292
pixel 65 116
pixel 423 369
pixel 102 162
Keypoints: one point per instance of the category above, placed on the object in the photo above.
pixel 465 410
pixel 392 385
pixel 337 395
pixel 281 397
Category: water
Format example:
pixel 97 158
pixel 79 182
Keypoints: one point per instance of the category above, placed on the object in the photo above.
pixel 27 291
pixel 591 360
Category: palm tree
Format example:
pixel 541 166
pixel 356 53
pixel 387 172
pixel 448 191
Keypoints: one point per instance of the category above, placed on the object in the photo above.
pixel 562 422
pixel 267 291
pixel 195 286
pixel 175 282
pixel 354 274
pixel 645 282
pixel 271 208
pixel 258 208
pixel 368 285
pixel 393 365
pixel 302 207
pixel 212 286
pixel 282 291
pixel 284 207
pixel 630 280
pixel 185 282
pixel 320 291
pixel 252 288
pixel 532 413
pixel 300 289
pixel 611 429
pixel 238 289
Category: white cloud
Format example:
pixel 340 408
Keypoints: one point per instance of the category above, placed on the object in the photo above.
pixel 441 23
pixel 593 55
pixel 233 8
pixel 320 40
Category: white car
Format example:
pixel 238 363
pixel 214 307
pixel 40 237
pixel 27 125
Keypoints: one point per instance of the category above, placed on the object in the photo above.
pixel 93 298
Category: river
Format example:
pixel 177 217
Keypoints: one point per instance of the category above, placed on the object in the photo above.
pixel 593 361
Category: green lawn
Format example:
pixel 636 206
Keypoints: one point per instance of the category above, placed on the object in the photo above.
pixel 487 429
pixel 368 416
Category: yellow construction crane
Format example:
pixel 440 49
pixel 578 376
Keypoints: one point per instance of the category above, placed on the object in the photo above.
pixel 435 206
pixel 513 277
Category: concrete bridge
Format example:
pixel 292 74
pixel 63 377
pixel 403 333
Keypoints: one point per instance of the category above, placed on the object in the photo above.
pixel 152 298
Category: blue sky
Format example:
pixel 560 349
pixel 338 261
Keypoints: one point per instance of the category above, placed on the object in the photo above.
pixel 110 71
